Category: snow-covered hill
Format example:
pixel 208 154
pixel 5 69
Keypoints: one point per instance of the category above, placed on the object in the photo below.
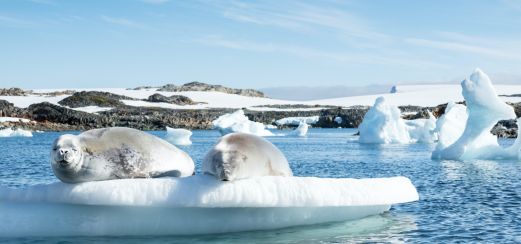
pixel 420 95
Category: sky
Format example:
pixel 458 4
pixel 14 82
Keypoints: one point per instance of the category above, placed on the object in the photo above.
pixel 256 44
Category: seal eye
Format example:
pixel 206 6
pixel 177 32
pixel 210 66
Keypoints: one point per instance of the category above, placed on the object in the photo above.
pixel 74 149
pixel 54 149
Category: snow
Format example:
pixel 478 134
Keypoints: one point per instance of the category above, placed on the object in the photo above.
pixel 484 110
pixel 14 119
pixel 297 120
pixel 9 132
pixel 382 124
pixel 92 109
pixel 238 122
pixel 301 130
pixel 420 95
pixel 193 205
pixel 178 136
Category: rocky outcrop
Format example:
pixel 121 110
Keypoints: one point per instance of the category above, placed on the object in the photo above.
pixel 175 99
pixel 13 92
pixel 94 98
pixel 199 86
pixel 8 109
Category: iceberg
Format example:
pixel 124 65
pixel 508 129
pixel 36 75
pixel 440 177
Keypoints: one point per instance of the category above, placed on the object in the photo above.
pixel 301 130
pixel 178 136
pixel 450 126
pixel 297 120
pixel 9 132
pixel 382 124
pixel 338 120
pixel 193 205
pixel 238 122
pixel 484 110
pixel 422 130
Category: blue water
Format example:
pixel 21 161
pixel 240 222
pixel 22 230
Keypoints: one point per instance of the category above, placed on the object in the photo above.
pixel 472 201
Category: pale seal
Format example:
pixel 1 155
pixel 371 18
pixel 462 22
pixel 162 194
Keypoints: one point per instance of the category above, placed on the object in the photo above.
pixel 240 156
pixel 116 153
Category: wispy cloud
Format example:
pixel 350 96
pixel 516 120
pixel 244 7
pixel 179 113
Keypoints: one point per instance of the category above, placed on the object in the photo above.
pixel 493 48
pixel 155 1
pixel 313 53
pixel 299 16
pixel 124 22
pixel 14 22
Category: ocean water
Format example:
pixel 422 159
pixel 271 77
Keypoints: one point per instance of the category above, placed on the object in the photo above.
pixel 470 201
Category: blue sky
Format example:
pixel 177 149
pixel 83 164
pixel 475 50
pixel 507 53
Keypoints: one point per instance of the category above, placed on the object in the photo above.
pixel 79 44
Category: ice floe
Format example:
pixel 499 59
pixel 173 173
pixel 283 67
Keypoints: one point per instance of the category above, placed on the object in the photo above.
pixel 238 122
pixel 178 136
pixel 193 205
pixel 296 120
pixel 10 132
pixel 301 130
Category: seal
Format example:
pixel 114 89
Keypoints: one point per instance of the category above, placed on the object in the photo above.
pixel 116 153
pixel 241 155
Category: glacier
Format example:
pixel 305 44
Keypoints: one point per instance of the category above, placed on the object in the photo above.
pixel 180 137
pixel 193 205
pixel 238 122
pixel 484 110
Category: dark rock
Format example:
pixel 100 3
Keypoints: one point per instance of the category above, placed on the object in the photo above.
pixel 199 86
pixel 8 109
pixel 175 99
pixel 94 98
pixel 13 92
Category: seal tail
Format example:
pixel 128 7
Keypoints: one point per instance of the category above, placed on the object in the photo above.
pixel 171 173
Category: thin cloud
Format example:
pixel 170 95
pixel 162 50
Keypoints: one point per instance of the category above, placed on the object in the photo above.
pixel 312 53
pixel 493 52
pixel 124 22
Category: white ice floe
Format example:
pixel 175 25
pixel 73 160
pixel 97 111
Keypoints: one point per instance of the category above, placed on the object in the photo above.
pixel 9 132
pixel 238 122
pixel 484 109
pixel 297 120
pixel 178 136
pixel 338 120
pixel 383 124
pixel 193 205
pixel 14 119
pixel 301 130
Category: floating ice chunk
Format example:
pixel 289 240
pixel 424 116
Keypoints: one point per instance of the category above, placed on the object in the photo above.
pixel 383 124
pixel 271 126
pixel 422 130
pixel 338 120
pixel 450 126
pixel 193 205
pixel 301 130
pixel 296 120
pixel 485 109
pixel 238 122
pixel 9 132
pixel 178 136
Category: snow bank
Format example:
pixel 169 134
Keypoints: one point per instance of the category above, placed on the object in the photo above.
pixel 301 130
pixel 92 109
pixel 297 120
pixel 484 109
pixel 9 132
pixel 383 124
pixel 14 119
pixel 238 122
pixel 193 205
pixel 178 136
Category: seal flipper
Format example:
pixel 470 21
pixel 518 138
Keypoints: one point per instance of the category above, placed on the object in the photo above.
pixel 171 173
